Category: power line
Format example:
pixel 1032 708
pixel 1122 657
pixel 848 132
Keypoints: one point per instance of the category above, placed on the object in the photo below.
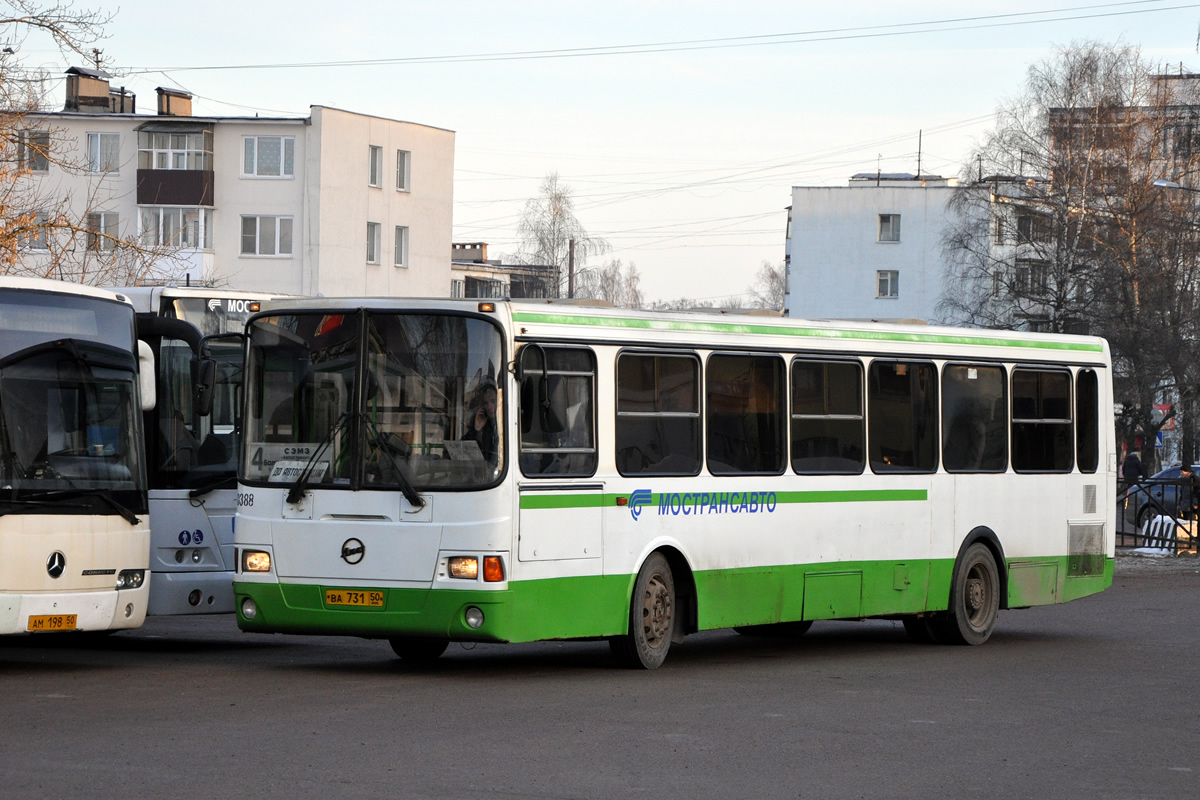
pixel 757 40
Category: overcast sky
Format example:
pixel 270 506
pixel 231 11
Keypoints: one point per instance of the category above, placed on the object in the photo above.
pixel 681 155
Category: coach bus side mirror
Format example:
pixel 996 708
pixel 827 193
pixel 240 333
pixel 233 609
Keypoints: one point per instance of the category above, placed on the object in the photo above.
pixel 146 382
pixel 204 379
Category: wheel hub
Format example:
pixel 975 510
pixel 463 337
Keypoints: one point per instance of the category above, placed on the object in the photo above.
pixel 656 611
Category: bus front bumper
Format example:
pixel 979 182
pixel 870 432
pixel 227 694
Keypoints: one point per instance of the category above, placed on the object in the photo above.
pixel 110 609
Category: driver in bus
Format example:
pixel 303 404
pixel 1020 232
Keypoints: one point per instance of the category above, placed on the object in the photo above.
pixel 482 426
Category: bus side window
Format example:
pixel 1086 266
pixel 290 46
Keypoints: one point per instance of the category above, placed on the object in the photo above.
pixel 902 416
pixel 746 406
pixel 658 414
pixel 1087 420
pixel 559 440
pixel 1041 424
pixel 828 435
pixel 974 418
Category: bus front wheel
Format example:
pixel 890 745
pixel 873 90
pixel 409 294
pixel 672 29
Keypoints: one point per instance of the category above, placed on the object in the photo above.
pixel 418 650
pixel 974 599
pixel 651 618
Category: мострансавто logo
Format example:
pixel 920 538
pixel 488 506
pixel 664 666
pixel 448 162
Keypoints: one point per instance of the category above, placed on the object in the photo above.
pixel 701 503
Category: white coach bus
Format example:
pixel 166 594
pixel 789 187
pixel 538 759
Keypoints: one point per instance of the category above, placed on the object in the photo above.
pixel 433 471
pixel 192 442
pixel 74 541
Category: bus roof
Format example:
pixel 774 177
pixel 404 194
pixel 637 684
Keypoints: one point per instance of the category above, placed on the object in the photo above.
pixel 593 322
pixel 61 287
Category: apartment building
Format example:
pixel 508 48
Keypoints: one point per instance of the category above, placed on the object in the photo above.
pixel 868 250
pixel 336 203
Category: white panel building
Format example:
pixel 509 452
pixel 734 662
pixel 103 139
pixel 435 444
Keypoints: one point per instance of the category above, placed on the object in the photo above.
pixel 869 250
pixel 335 203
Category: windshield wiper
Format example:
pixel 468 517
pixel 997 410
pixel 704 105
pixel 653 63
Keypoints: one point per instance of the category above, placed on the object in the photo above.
pixel 102 494
pixel 296 492
pixel 390 450
pixel 227 482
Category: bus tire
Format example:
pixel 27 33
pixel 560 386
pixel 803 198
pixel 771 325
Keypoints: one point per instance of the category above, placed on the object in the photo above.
pixel 777 630
pixel 651 618
pixel 417 649
pixel 974 599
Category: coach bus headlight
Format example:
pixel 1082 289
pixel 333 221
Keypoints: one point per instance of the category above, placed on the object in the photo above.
pixel 256 561
pixel 130 578
pixel 465 567
pixel 474 617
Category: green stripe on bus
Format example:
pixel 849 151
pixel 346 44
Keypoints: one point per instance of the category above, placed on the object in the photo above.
pixel 784 330
pixel 544 501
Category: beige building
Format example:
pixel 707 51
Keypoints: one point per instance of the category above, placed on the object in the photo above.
pixel 335 203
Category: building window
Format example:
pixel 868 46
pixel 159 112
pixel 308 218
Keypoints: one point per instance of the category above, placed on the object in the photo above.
pixel 375 173
pixel 162 150
pixel 1032 228
pixel 1031 277
pixel 33 150
pixel 889 227
pixel 373 234
pixel 998 230
pixel 458 289
pixel 104 152
pixel 269 156
pixel 103 230
pixel 33 236
pixel 400 259
pixel 402 159
pixel 185 228
pixel 887 283
pixel 267 236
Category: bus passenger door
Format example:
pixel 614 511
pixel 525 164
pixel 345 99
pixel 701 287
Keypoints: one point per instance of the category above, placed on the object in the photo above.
pixel 559 522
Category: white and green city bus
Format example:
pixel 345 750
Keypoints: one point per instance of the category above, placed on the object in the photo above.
pixel 192 442
pixel 432 471
pixel 74 543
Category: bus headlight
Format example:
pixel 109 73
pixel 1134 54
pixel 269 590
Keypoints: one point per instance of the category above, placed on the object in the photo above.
pixel 130 578
pixel 256 561
pixel 465 567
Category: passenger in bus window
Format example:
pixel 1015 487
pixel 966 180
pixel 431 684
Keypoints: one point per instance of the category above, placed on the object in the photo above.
pixel 481 428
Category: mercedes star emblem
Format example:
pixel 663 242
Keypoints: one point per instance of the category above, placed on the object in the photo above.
pixel 353 551
pixel 56 564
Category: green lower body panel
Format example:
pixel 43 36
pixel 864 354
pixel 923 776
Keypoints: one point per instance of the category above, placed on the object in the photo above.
pixel 598 606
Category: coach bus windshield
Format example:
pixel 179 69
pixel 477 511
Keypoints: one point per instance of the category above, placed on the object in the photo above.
pixel 374 400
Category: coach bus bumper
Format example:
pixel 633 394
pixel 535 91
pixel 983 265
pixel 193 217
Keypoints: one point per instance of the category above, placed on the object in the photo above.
pixel 434 613
pixel 111 609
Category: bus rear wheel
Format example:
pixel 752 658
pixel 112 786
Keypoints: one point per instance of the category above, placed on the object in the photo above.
pixel 974 600
pixel 418 650
pixel 651 618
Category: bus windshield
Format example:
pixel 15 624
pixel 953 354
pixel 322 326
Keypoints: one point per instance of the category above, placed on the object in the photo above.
pixel 374 400
pixel 69 421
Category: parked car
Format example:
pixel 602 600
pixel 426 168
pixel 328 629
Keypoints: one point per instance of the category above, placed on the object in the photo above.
pixel 1137 503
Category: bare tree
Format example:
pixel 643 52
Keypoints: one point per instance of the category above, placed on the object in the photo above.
pixel 549 229
pixel 613 282
pixel 1061 226
pixel 770 286
pixel 46 228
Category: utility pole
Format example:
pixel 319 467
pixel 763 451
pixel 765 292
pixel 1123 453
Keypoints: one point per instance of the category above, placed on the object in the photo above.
pixel 571 269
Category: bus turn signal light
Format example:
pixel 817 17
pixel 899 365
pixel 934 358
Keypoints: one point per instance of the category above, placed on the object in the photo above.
pixel 493 569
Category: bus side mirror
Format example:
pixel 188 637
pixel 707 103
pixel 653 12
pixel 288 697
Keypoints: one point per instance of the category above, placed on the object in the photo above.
pixel 146 382
pixel 204 379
